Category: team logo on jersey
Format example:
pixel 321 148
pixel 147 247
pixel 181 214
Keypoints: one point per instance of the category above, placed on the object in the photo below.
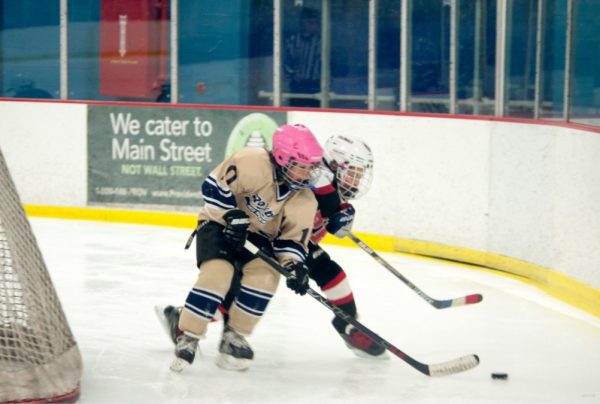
pixel 260 208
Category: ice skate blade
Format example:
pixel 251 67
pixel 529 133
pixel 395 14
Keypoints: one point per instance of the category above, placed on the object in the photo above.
pixel 164 322
pixel 228 362
pixel 178 365
pixel 362 354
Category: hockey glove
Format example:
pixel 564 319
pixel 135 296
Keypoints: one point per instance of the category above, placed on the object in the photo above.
pixel 236 228
pixel 340 223
pixel 298 279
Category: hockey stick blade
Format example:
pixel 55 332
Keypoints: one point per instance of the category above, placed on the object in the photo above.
pixel 442 369
pixel 454 366
pixel 438 304
pixel 459 301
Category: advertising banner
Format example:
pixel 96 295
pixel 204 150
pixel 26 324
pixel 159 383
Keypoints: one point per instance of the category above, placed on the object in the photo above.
pixel 160 156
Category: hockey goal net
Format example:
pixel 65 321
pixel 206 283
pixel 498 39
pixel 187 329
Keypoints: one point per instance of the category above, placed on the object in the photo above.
pixel 39 359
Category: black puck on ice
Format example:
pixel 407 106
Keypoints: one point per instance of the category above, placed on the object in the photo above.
pixel 500 376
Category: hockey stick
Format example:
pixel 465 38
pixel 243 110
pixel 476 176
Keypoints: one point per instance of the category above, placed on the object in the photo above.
pixel 441 369
pixel 438 304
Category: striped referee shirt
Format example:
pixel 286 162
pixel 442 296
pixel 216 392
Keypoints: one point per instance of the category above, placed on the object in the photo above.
pixel 303 57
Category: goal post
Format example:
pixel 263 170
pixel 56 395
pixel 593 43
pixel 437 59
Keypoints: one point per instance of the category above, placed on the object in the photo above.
pixel 39 358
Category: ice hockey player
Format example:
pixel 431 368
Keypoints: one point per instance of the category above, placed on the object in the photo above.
pixel 347 175
pixel 264 197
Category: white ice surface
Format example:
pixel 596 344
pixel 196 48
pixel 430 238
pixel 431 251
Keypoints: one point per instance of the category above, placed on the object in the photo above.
pixel 109 277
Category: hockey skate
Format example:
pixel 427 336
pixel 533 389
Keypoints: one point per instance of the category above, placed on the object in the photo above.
pixel 169 319
pixel 362 345
pixel 235 352
pixel 185 352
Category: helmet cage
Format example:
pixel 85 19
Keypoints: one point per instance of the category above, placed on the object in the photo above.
pixel 299 175
pixel 352 162
pixel 353 181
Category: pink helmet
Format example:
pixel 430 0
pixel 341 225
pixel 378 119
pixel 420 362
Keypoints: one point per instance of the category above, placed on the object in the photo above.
pixel 297 142
pixel 293 145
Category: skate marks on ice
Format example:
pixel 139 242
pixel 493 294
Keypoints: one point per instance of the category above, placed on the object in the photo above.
pixel 110 276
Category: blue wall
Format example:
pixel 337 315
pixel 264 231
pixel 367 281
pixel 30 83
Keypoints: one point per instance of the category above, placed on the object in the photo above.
pixel 227 48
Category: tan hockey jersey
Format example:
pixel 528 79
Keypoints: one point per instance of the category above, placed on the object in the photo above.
pixel 246 180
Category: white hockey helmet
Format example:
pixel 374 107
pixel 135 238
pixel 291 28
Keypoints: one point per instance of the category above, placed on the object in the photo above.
pixel 352 162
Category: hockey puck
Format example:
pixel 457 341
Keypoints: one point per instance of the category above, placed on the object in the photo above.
pixel 500 376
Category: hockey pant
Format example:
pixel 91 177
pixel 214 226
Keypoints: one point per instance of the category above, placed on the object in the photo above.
pixel 219 265
pixel 328 275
